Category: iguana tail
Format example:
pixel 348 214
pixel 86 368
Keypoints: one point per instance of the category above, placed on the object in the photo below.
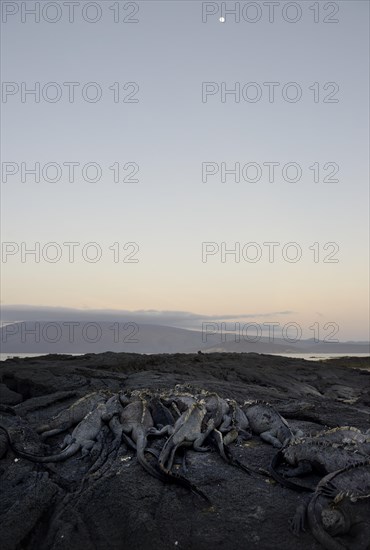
pixel 318 531
pixel 165 454
pixel 69 451
pixel 278 458
pixel 66 453
pixel 235 462
pixel 184 482
pixel 163 474
pixel 140 450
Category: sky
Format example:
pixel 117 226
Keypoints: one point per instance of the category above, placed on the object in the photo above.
pixel 166 120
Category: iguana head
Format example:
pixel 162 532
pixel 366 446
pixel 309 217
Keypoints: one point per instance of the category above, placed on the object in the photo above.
pixel 145 394
pixel 335 522
pixel 124 397
pixel 291 454
pixel 285 435
pixel 349 434
pixel 183 388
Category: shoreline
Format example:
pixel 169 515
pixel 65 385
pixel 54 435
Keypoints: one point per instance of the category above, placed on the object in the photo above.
pixel 307 356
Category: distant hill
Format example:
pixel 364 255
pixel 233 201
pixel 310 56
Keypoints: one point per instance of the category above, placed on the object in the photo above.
pixel 90 337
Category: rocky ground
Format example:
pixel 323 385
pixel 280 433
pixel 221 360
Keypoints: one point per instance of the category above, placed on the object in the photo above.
pixel 117 505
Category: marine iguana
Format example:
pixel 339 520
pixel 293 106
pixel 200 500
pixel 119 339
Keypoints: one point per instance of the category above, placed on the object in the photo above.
pixel 347 435
pixel 82 437
pixel 161 414
pixel 227 420
pixel 299 410
pixel 352 482
pixel 216 415
pixel 114 406
pixel 345 487
pixel 180 402
pixel 312 455
pixel 163 421
pixel 187 431
pixel 347 516
pixel 217 409
pixel 71 416
pixel 137 423
pixel 265 421
pixel 239 422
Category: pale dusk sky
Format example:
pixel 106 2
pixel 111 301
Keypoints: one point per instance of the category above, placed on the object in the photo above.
pixel 163 139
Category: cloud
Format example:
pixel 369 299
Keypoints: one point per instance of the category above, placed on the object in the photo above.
pixel 181 319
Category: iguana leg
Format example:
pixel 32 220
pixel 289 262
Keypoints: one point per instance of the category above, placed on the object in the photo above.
pixel 203 436
pixel 201 439
pixel 220 443
pixel 329 490
pixel 299 521
pixel 226 454
pixel 365 449
pixel 115 427
pixel 303 468
pixel 239 440
pixel 244 434
pixel 198 446
pixel 85 451
pixel 230 437
pixel 226 421
pixel 166 430
pixel 269 438
pixel 67 441
pixel 175 408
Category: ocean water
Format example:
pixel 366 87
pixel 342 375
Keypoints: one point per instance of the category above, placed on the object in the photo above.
pixel 5 356
pixel 321 356
pixel 308 356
